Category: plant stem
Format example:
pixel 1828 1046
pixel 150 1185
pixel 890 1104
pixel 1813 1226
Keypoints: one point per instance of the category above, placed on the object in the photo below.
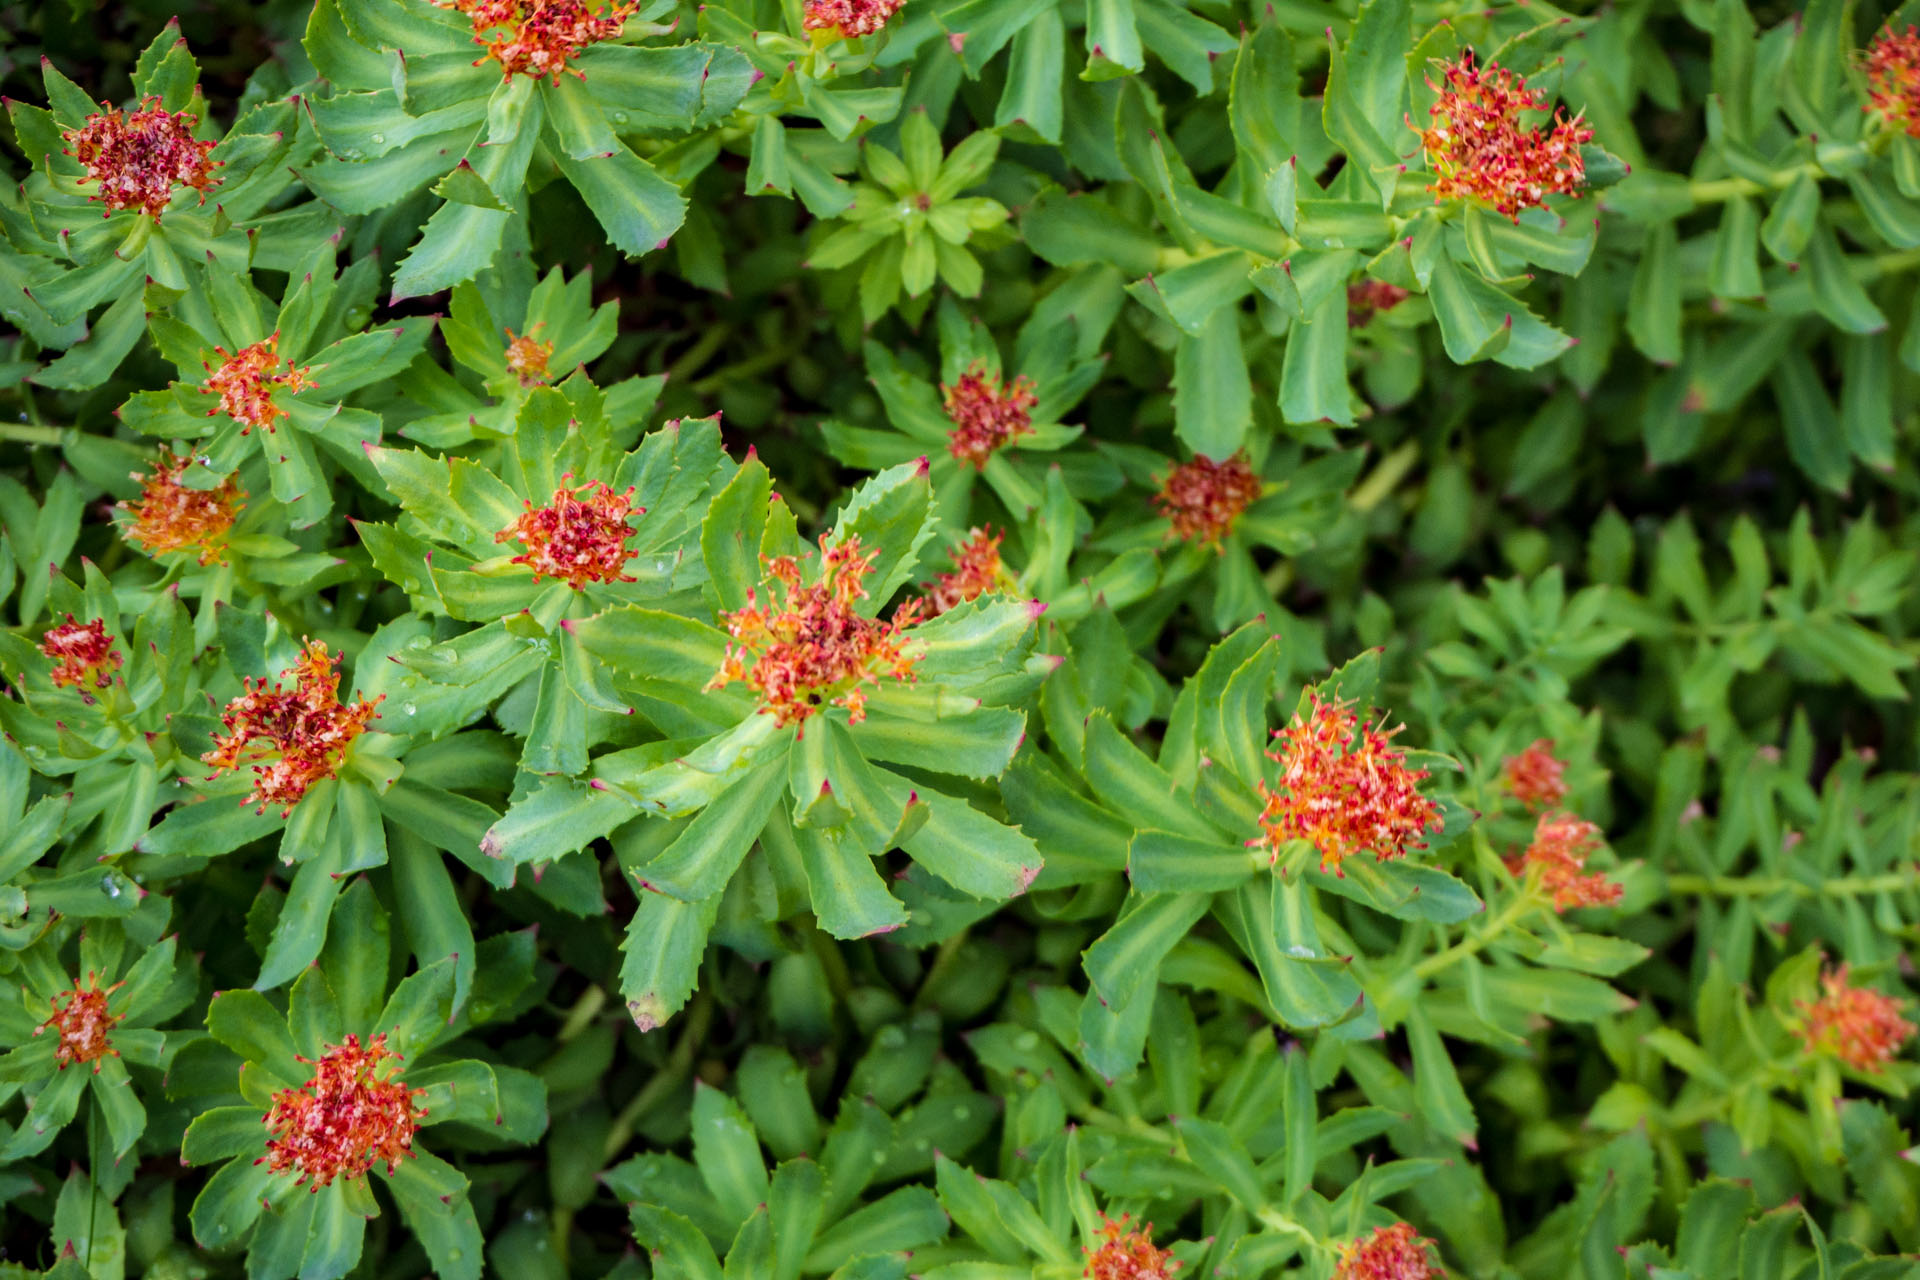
pixel 671 1073
pixel 27 433
pixel 1738 887
pixel 1474 943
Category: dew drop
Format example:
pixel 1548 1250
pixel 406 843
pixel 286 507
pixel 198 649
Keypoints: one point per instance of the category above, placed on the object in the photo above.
pixel 110 885
pixel 1299 952
pixel 619 117
pixel 380 139
pixel 412 710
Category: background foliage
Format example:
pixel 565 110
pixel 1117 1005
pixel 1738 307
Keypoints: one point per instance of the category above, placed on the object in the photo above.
pixel 695 991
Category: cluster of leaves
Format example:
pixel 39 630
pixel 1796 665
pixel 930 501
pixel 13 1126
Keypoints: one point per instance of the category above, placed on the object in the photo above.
pixel 953 628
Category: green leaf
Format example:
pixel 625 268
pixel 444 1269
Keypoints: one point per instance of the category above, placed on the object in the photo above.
pixel 1436 1087
pixel 1127 956
pixel 700 861
pixel 903 1219
pixel 432 1196
pixel 1159 862
pixel 727 1153
pixel 664 944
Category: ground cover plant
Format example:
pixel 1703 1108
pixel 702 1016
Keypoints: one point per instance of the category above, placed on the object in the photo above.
pixel 966 639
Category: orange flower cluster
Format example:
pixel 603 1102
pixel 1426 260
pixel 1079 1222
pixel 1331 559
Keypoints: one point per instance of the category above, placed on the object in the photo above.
pixel 81 1020
pixel 527 358
pixel 353 1114
pixel 849 17
pixel 1343 789
pixel 1558 854
pixel 987 413
pixel 1857 1025
pixel 1478 150
pixel 538 38
pixel 246 381
pixel 1536 776
pixel 83 654
pixel 171 517
pixel 292 738
pixel 976 571
pixel 809 647
pixel 1203 498
pixel 1369 296
pixel 1390 1253
pixel 139 158
pixel 1127 1254
pixel 1892 65
pixel 580 537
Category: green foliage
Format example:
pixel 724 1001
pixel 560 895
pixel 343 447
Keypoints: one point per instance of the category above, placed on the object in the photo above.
pixel 768 640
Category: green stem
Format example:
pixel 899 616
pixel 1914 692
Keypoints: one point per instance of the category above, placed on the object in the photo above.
pixel 1386 477
pixel 1476 942
pixel 741 370
pixel 584 1010
pixel 27 433
pixel 671 1074
pixel 1737 887
pixel 699 353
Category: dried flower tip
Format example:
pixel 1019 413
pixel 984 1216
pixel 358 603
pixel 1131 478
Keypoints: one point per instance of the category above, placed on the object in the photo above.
pixel 1343 788
pixel 1892 65
pixel 1390 1253
pixel 987 413
pixel 139 158
pixel 83 654
pixel 291 738
pixel 1127 1254
pixel 1558 856
pixel 809 647
pixel 539 38
pixel 171 517
pixel 1204 498
pixel 977 570
pixel 1536 777
pixel 578 538
pixel 81 1020
pixel 1478 150
pixel 353 1114
pixel 1858 1025
pixel 1367 297
pixel 527 358
pixel 246 381
pixel 849 17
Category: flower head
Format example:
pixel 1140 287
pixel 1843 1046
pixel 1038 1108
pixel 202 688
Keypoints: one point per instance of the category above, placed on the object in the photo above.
pixel 579 537
pixel 1126 1254
pixel 83 654
pixel 1390 1253
pixel 527 358
pixel 81 1020
pixel 1343 788
pixel 1366 297
pixel 1857 1025
pixel 1558 856
pixel 977 570
pixel 987 413
pixel 1478 150
pixel 171 517
pixel 808 646
pixel 292 738
pixel 353 1114
pixel 849 17
pixel 246 381
pixel 1204 498
pixel 139 158
pixel 1892 64
pixel 1536 776
pixel 539 38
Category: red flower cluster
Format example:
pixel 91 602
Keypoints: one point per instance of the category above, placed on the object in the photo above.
pixel 580 537
pixel 83 654
pixel 849 17
pixel 538 37
pixel 246 381
pixel 976 571
pixel 809 648
pixel 1127 1254
pixel 1857 1025
pixel 987 413
pixel 81 1020
pixel 1343 789
pixel 1558 854
pixel 171 517
pixel 1390 1253
pixel 138 158
pixel 1203 498
pixel 1892 65
pixel 1368 296
pixel 292 738
pixel 353 1114
pixel 1536 776
pixel 527 358
pixel 1478 151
